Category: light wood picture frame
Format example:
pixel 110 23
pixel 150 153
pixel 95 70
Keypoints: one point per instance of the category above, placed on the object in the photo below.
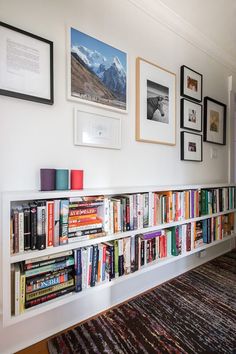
pixel 155 103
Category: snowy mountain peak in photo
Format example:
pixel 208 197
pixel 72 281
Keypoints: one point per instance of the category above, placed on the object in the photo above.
pixel 118 65
pixel 91 58
pixel 111 72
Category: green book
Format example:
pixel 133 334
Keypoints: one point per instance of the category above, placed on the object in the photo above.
pixel 116 258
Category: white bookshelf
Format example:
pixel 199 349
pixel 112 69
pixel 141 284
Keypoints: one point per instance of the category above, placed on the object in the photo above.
pixel 9 197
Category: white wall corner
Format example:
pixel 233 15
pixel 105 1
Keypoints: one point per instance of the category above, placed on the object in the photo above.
pixel 168 18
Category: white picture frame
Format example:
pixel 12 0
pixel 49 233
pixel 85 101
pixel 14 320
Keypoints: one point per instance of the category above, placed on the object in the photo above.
pixel 96 130
pixel 86 83
pixel 155 103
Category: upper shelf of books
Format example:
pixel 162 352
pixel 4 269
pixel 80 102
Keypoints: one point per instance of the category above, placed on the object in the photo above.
pixel 9 196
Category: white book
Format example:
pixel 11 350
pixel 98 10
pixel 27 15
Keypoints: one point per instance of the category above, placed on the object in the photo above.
pixel 111 217
pixel 131 211
pixel 106 215
pixel 151 208
pixel 17 289
pixel 84 260
pixel 127 263
pixel 140 210
pixel 21 230
pixel 184 230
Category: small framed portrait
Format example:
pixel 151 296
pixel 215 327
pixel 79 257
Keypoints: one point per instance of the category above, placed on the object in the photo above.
pixel 191 146
pixel 214 121
pixel 190 84
pixel 190 115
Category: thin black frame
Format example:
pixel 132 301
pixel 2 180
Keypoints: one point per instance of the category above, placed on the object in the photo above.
pixel 182 146
pixel 206 99
pixel 182 83
pixel 23 96
pixel 182 112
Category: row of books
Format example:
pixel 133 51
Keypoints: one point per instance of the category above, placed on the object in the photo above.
pixel 47 223
pixel 41 279
pixel 181 205
pixel 106 261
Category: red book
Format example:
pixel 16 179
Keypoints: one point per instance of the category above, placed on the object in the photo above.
pixel 50 223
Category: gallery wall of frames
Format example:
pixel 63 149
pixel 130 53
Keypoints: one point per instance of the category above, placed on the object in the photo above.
pixel 97 76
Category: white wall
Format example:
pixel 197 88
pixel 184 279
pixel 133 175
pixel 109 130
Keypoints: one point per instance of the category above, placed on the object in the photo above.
pixel 34 135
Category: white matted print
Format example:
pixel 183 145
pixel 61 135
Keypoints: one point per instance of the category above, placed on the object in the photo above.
pixel 155 103
pixel 97 72
pixel 190 83
pixel 96 130
pixel 191 146
pixel 191 115
pixel 214 121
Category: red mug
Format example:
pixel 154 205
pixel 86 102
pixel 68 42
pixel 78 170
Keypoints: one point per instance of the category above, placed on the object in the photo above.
pixel 76 179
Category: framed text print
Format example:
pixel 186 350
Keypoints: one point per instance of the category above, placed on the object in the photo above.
pixel 190 84
pixel 155 103
pixel 26 65
pixel 214 121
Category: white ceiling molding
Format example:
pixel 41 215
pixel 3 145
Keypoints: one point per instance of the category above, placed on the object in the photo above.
pixel 168 18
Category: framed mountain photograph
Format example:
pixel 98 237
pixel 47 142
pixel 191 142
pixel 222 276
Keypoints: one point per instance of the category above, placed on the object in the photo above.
pixel 97 72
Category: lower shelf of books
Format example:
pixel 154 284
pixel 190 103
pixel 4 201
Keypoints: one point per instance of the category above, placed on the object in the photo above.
pixel 44 283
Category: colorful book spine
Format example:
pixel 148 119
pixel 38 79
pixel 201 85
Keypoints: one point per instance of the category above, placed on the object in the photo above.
pixel 78 270
pixel 50 223
pixel 50 267
pixel 64 212
pixel 41 225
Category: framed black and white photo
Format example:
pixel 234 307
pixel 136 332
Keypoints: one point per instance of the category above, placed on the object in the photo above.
pixel 190 84
pixel 26 65
pixel 214 121
pixel 191 115
pixel 191 146
pixel 155 103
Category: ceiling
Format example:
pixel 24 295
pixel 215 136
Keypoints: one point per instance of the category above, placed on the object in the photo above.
pixel 215 19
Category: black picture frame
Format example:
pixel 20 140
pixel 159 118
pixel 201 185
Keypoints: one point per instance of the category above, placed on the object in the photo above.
pixel 191 86
pixel 214 121
pixel 190 115
pixel 190 144
pixel 26 67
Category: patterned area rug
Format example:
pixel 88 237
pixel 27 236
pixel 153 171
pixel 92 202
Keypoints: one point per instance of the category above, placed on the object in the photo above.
pixel 194 313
